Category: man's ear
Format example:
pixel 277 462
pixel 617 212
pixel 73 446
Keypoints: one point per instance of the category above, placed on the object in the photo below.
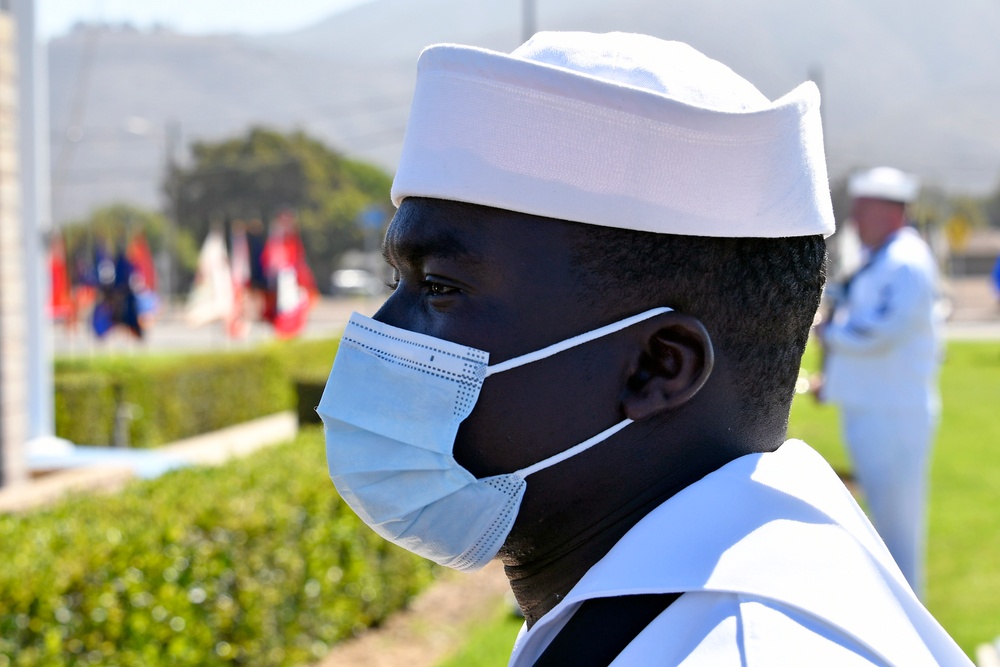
pixel 674 362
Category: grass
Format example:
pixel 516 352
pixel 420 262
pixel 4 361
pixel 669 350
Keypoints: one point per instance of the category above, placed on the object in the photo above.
pixel 963 573
pixel 489 645
pixel 963 570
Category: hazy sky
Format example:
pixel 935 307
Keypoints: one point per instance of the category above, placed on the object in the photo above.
pixel 55 17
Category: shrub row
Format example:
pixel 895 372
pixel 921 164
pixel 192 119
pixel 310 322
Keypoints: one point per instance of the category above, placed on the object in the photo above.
pixel 163 399
pixel 305 358
pixel 308 363
pixel 254 563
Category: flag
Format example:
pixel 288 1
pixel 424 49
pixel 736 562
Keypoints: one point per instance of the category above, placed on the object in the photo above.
pixel 84 280
pixel 238 325
pixel 211 298
pixel 240 263
pixel 291 287
pixel 116 301
pixel 256 240
pixel 143 280
pixel 142 259
pixel 60 295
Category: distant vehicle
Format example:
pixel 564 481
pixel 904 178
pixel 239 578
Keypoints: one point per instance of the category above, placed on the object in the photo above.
pixel 355 282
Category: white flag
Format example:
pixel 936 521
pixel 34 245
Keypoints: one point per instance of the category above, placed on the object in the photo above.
pixel 212 296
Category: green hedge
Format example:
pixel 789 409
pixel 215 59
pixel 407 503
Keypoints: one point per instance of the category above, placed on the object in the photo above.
pixel 175 397
pixel 306 358
pixel 254 563
pixel 85 404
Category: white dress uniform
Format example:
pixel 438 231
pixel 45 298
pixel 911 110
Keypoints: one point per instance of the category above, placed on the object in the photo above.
pixel 883 352
pixel 778 565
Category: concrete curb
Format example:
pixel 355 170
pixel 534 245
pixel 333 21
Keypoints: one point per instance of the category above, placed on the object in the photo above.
pixel 212 448
pixel 235 441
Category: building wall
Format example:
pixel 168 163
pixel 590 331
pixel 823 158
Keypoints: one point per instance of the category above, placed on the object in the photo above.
pixel 13 343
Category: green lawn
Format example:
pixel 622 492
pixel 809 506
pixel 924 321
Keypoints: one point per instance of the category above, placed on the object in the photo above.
pixel 963 569
pixel 489 645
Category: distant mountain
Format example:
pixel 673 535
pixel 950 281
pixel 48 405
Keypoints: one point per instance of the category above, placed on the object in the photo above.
pixel 909 84
pixel 120 100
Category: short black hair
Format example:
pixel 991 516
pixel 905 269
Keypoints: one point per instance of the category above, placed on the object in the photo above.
pixel 756 296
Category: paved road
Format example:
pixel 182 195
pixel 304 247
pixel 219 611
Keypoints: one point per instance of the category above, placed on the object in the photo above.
pixel 171 333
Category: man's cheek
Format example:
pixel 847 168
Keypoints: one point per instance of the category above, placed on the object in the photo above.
pixel 485 444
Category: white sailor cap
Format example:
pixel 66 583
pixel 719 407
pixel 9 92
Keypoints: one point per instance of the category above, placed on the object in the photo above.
pixel 884 183
pixel 617 129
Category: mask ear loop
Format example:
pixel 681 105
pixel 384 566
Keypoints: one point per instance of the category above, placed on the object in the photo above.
pixel 574 341
pixel 555 349
pixel 573 451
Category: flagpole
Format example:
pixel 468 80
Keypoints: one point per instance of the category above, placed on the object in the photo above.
pixel 35 220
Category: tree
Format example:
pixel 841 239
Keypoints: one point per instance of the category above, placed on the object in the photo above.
pixel 259 174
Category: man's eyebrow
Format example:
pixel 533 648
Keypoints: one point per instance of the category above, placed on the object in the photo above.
pixel 441 244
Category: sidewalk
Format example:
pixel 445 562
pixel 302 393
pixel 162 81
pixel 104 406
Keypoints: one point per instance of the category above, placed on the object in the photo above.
pixel 209 449
pixel 975 304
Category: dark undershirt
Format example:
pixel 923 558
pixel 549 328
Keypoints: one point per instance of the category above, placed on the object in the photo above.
pixel 601 629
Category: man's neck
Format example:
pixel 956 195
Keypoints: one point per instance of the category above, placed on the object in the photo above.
pixel 543 579
pixel 539 585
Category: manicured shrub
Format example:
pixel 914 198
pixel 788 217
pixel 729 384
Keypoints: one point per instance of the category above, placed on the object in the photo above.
pixel 306 358
pixel 257 562
pixel 85 405
pixel 202 393
pixel 168 398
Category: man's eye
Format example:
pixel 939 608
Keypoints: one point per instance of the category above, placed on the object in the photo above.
pixel 436 288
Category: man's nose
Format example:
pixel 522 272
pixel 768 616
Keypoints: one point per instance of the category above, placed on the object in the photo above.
pixel 393 311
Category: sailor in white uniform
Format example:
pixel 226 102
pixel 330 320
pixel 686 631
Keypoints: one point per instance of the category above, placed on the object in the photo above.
pixel 882 352
pixel 608 254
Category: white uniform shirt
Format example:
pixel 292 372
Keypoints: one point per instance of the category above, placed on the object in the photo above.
pixel 778 565
pixel 883 342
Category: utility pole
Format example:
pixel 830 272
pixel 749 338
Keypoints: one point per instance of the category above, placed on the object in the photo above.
pixel 527 19
pixel 171 144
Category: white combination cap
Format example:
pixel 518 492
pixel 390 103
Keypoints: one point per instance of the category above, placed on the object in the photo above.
pixel 884 183
pixel 619 130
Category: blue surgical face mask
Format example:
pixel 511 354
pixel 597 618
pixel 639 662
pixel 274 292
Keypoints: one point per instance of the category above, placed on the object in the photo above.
pixel 391 410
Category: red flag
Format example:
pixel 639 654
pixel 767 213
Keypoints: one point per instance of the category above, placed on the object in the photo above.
pixel 291 287
pixel 142 259
pixel 60 297
pixel 143 280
